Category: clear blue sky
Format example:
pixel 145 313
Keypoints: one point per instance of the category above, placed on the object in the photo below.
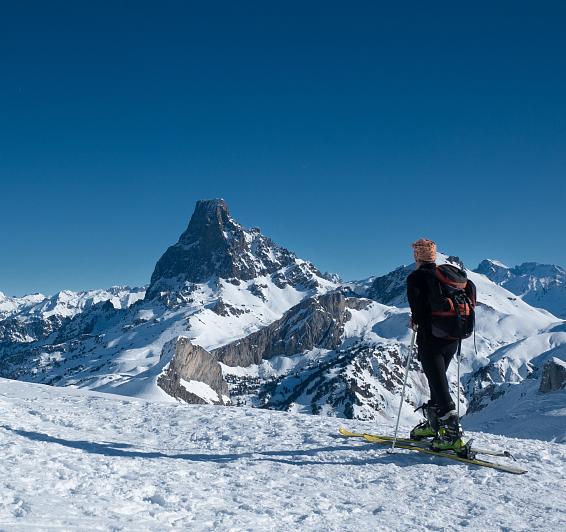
pixel 344 130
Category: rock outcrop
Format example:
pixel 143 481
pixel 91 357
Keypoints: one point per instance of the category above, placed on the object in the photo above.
pixel 391 289
pixel 315 322
pixel 193 375
pixel 553 375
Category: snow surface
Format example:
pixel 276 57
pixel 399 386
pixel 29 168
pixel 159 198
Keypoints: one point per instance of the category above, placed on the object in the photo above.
pixel 200 389
pixel 498 263
pixel 525 413
pixel 78 460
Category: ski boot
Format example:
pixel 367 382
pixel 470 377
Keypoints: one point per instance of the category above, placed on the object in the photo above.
pixel 450 436
pixel 429 427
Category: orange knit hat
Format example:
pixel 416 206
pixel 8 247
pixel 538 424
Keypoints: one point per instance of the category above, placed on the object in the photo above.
pixel 424 250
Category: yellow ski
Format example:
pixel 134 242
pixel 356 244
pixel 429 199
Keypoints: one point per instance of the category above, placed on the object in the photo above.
pixel 418 443
pixel 451 456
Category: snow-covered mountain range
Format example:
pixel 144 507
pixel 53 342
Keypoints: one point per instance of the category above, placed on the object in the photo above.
pixel 33 317
pixel 540 285
pixel 229 316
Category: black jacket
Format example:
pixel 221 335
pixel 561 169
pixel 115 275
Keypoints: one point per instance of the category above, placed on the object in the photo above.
pixel 418 290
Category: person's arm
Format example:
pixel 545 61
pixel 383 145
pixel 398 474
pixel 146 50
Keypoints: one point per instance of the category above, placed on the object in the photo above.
pixel 413 293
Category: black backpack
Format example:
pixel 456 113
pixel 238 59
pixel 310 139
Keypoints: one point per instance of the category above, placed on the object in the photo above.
pixel 452 303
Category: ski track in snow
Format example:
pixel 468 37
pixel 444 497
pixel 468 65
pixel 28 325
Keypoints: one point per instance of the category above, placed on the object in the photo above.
pixel 77 460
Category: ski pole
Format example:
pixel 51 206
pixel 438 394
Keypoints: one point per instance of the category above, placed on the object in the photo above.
pixel 409 358
pixel 458 382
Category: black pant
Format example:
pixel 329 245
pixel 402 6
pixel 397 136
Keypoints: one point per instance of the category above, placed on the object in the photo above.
pixel 435 355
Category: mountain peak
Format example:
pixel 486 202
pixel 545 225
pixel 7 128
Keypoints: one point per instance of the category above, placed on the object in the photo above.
pixel 211 205
pixel 210 222
pixel 215 245
pixel 212 212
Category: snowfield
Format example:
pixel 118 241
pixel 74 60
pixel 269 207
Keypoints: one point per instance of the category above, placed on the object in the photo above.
pixel 79 460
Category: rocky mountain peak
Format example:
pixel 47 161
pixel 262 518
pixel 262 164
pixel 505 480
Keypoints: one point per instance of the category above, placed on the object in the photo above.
pixel 214 245
pixel 210 222
pixel 494 270
pixel 540 271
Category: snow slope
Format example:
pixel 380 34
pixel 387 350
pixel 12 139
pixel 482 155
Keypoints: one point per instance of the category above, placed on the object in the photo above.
pixel 12 305
pixel 78 460
pixel 523 412
pixel 66 303
pixel 540 285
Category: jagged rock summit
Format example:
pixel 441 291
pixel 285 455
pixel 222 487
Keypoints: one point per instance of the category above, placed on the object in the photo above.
pixel 214 245
pixel 218 283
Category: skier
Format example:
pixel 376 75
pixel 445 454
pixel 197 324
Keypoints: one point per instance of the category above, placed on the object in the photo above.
pixel 442 302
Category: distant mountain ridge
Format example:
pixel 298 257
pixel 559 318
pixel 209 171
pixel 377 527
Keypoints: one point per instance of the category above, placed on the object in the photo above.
pixel 540 285
pixel 34 317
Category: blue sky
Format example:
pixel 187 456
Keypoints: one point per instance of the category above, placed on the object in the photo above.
pixel 343 130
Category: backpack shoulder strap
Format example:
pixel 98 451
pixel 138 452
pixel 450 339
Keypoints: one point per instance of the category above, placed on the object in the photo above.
pixel 436 294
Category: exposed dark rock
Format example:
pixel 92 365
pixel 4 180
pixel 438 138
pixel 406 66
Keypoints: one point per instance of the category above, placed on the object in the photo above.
pixel 225 309
pixel 357 303
pixel 214 245
pixel 553 375
pixel 257 290
pixel 457 261
pixel 315 322
pixel 485 395
pixel 390 289
pixel 192 363
pixel 338 381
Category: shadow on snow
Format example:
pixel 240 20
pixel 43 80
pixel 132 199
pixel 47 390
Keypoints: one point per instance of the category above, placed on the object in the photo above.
pixel 126 450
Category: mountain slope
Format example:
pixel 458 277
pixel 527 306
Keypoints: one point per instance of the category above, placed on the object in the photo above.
pixel 35 317
pixel 78 460
pixel 540 285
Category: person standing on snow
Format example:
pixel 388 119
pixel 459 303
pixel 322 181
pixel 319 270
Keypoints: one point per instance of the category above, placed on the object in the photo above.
pixel 442 302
